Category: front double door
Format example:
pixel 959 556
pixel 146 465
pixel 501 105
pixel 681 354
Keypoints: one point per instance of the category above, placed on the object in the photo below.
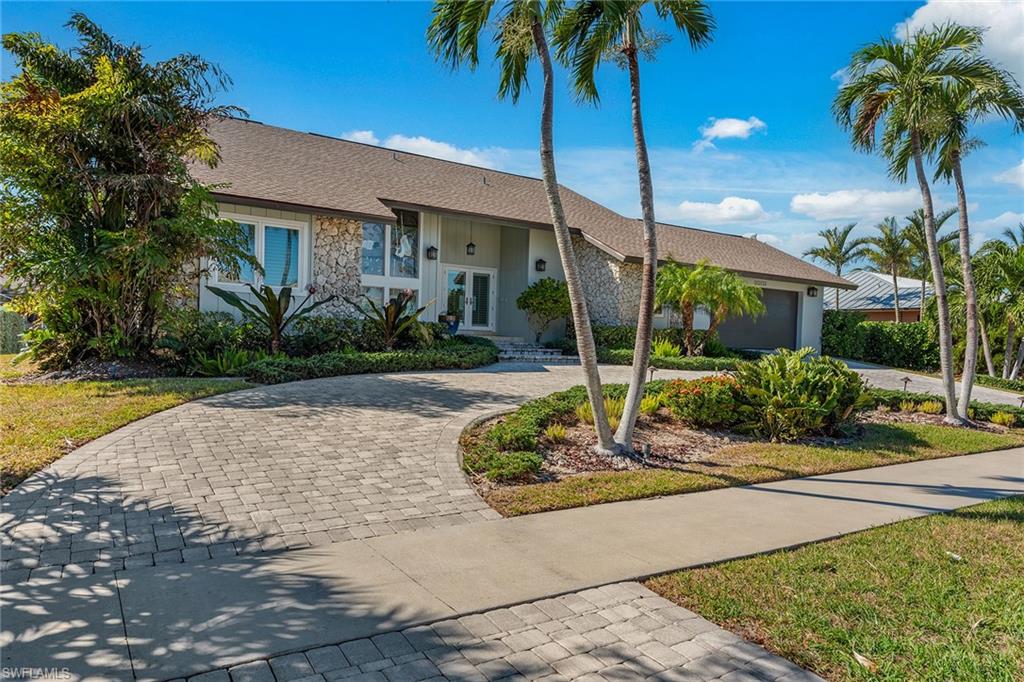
pixel 471 295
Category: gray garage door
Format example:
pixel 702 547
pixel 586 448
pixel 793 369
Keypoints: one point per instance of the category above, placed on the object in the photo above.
pixel 775 329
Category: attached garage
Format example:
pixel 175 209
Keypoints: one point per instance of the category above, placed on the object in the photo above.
pixel 777 328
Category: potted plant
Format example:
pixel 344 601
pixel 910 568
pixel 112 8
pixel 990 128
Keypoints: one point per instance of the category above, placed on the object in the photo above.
pixel 451 319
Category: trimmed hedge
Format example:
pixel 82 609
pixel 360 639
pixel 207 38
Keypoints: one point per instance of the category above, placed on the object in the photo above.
pixel 701 363
pixel 983 411
pixel 909 345
pixel 457 353
pixel 1015 385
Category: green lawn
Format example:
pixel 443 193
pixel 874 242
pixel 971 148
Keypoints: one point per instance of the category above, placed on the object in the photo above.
pixel 936 598
pixel 753 463
pixel 40 423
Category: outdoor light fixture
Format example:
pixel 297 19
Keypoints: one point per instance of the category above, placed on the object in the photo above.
pixel 470 249
pixel 541 265
pixel 651 370
pixel 431 253
pixel 905 380
pixel 812 292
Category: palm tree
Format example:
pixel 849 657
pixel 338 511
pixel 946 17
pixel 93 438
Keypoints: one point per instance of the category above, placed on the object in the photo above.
pixel 889 252
pixel 1015 237
pixel 991 92
pixel 915 235
pixel 1002 268
pixel 839 250
pixel 893 86
pixel 587 33
pixel 454 35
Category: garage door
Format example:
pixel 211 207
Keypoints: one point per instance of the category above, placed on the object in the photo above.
pixel 775 329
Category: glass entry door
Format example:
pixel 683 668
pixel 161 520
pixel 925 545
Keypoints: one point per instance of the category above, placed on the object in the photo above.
pixel 470 293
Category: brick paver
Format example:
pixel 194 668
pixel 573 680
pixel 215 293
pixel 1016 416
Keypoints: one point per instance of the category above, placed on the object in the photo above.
pixel 269 469
pixel 677 645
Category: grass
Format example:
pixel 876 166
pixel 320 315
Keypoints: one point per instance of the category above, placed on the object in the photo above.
pixel 936 598
pixel 748 463
pixel 41 422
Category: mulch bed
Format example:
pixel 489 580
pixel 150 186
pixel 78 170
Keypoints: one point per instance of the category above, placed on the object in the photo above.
pixel 96 370
pixel 889 417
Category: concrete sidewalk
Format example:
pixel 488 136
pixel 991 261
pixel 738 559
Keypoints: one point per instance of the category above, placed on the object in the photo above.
pixel 186 618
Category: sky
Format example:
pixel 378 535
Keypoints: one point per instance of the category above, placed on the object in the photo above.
pixel 741 135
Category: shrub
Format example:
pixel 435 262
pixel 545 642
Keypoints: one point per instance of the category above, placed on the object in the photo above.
pixel 1015 385
pixel 397 323
pixel 697 364
pixel 12 326
pixel 931 407
pixel 226 363
pixel 320 334
pixel 514 466
pixel 908 406
pixel 555 433
pixel 585 413
pixel 791 394
pixel 650 404
pixel 886 397
pixel 702 403
pixel 456 353
pixel 842 335
pixel 1007 419
pixel 545 301
pixel 665 349
pixel 908 345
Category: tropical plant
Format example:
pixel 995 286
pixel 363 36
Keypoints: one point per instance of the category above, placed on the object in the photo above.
pixel 839 250
pixel 272 311
pixel 723 294
pixel 908 406
pixel 913 232
pixel 228 362
pixel 930 407
pixel 1007 419
pixel 587 33
pixel 398 317
pixel 522 25
pixel 1001 275
pixel 100 214
pixel 991 92
pixel 791 394
pixel 889 252
pixel 894 85
pixel 650 405
pixel 555 433
pixel 545 301
pixel 664 348
pixel 702 403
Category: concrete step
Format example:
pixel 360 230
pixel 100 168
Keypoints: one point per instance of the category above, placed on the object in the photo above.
pixel 540 359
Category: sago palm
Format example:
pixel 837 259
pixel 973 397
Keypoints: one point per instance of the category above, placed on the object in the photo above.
pixel 893 87
pixel 586 34
pixel 454 36
pixel 889 252
pixel 839 250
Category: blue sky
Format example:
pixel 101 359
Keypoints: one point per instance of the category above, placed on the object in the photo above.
pixel 741 135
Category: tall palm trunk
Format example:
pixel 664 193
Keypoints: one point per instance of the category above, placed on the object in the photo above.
pixel 1019 363
pixel 896 295
pixel 1008 350
pixel 939 280
pixel 920 303
pixel 986 347
pixel 577 296
pixel 970 294
pixel 645 320
pixel 839 273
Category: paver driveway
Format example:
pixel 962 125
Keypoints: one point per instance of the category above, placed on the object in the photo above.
pixel 276 467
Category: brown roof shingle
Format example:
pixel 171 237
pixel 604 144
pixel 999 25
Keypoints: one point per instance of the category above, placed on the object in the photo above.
pixel 308 171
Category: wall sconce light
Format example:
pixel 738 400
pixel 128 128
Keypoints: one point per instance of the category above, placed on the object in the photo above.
pixel 431 253
pixel 470 249
pixel 812 292
pixel 541 265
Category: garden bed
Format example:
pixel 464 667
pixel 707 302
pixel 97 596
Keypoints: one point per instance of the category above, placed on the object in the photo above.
pixel 936 598
pixel 540 458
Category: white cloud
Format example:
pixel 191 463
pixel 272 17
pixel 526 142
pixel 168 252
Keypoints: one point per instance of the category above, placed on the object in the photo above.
pixel 1000 222
pixel 855 203
pixel 490 157
pixel 1004 19
pixel 724 128
pixel 728 210
pixel 841 76
pixel 1012 176
pixel 364 136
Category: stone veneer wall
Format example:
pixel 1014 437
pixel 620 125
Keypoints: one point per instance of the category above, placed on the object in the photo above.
pixel 612 287
pixel 337 264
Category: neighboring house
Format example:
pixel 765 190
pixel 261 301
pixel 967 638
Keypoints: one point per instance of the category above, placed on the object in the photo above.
pixel 353 219
pixel 874 296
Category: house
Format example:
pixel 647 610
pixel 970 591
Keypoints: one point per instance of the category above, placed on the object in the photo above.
pixel 358 219
pixel 875 299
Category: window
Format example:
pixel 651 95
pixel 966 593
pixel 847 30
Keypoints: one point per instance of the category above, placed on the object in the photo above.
pixel 279 246
pixel 391 257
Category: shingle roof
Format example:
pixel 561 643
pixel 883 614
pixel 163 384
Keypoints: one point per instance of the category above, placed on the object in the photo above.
pixel 874 292
pixel 308 171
